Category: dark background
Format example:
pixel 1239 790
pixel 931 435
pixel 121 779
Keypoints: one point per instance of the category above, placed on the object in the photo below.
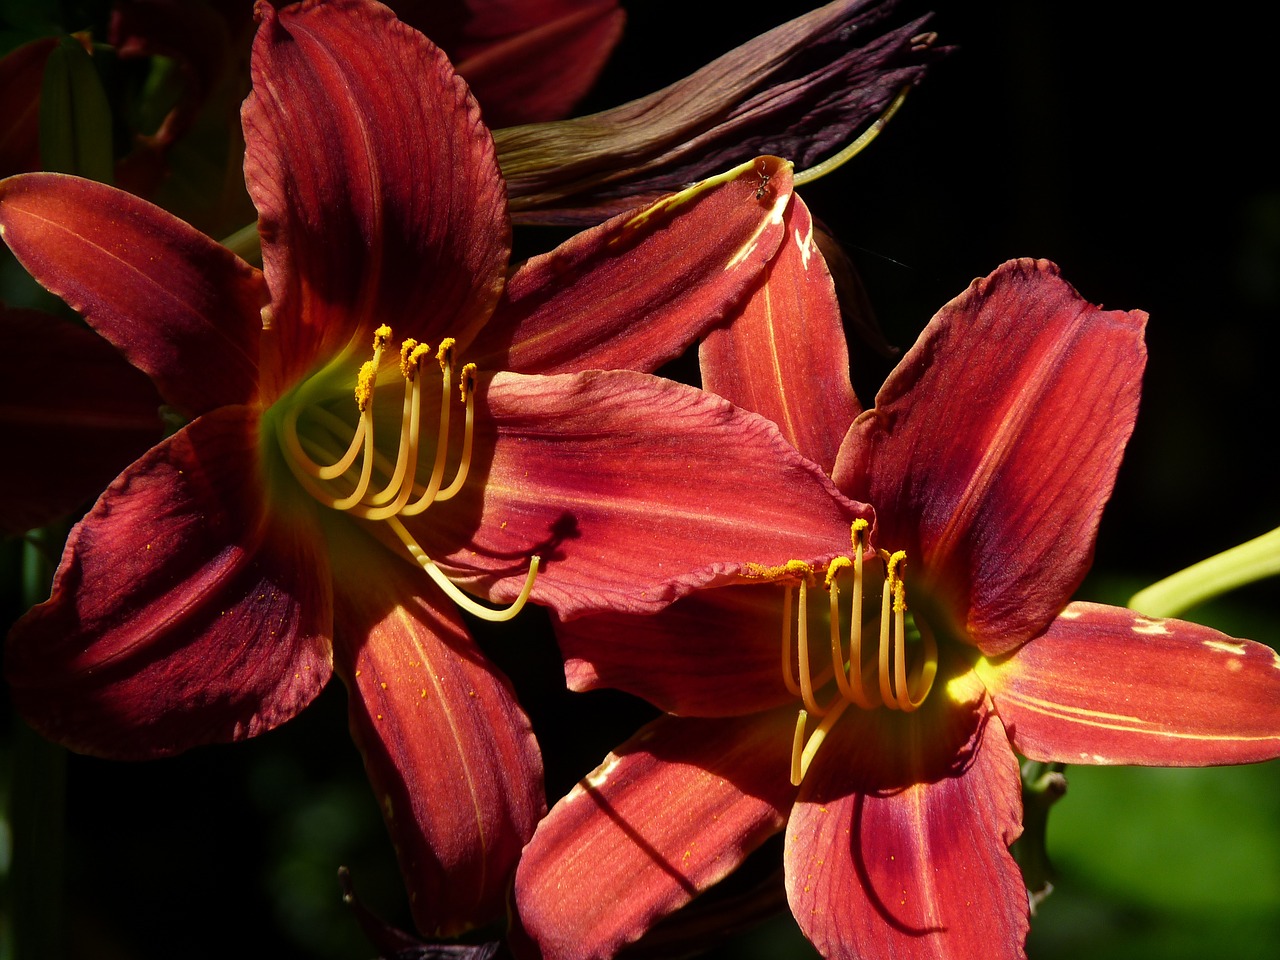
pixel 1125 143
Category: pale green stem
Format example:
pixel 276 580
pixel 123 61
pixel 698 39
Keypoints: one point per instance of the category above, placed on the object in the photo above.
pixel 1250 561
pixel 246 244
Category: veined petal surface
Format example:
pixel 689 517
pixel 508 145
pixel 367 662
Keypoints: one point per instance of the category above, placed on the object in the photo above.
pixel 182 309
pixel 67 433
pixel 451 756
pixel 994 445
pixel 713 653
pixel 634 490
pixel 669 813
pixel 898 845
pixel 634 292
pixel 183 611
pixel 378 196
pixel 784 356
pixel 1107 685
pixel 541 71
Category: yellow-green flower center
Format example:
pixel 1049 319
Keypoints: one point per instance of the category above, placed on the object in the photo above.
pixel 885 661
pixel 340 465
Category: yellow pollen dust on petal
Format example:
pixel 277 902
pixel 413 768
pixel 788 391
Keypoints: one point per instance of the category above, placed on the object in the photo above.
pixel 322 456
pixel 899 679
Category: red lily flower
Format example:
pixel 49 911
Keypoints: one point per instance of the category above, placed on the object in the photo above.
pixel 218 581
pixel 988 455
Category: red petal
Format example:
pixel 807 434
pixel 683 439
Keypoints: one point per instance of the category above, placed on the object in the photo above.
pixel 784 357
pixel 898 846
pixel 21 75
pixel 1107 685
pixel 669 813
pixel 181 308
pixel 451 755
pixel 378 196
pixel 183 612
pixel 633 490
pixel 994 445
pixel 67 433
pixel 634 292
pixel 541 72
pixel 713 653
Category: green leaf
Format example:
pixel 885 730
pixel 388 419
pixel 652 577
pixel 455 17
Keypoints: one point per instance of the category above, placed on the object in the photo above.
pixel 75 118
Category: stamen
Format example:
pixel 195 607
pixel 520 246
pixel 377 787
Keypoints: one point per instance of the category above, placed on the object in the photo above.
pixel 467 387
pixel 797 749
pixel 429 495
pixel 788 679
pixel 452 590
pixel 837 648
pixel 802 650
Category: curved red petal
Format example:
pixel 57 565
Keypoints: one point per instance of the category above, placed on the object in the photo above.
pixel 633 490
pixel 994 445
pixel 183 611
pixel 636 291
pixel 67 435
pixel 541 72
pixel 378 195
pixel 451 756
pixel 1107 685
pixel 898 845
pixel 181 308
pixel 713 653
pixel 784 355
pixel 668 814
pixel 21 76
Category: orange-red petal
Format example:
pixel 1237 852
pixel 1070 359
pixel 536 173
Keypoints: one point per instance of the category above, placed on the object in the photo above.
pixel 993 447
pixel 784 355
pixel 451 756
pixel 669 813
pixel 1107 685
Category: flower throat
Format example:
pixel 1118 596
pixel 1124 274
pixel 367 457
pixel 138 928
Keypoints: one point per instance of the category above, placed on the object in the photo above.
pixel 873 672
pixel 341 467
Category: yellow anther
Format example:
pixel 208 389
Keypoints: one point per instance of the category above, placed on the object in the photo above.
pixel 365 382
pixel 891 563
pixel 834 567
pixel 467 382
pixel 899 597
pixel 857 529
pixel 798 568
pixel 445 353
pixel 381 337
pixel 408 365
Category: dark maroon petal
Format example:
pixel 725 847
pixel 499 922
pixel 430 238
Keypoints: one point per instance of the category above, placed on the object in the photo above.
pixel 802 90
pixel 784 356
pixel 994 445
pixel 181 308
pixel 378 196
pixel 449 752
pixel 635 292
pixel 184 610
pixel 712 653
pixel 1107 685
pixel 634 491
pixel 21 75
pixel 73 414
pixel 669 813
pixel 898 845
pixel 541 72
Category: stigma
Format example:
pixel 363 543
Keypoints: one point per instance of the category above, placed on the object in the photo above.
pixel 342 468
pixel 868 671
